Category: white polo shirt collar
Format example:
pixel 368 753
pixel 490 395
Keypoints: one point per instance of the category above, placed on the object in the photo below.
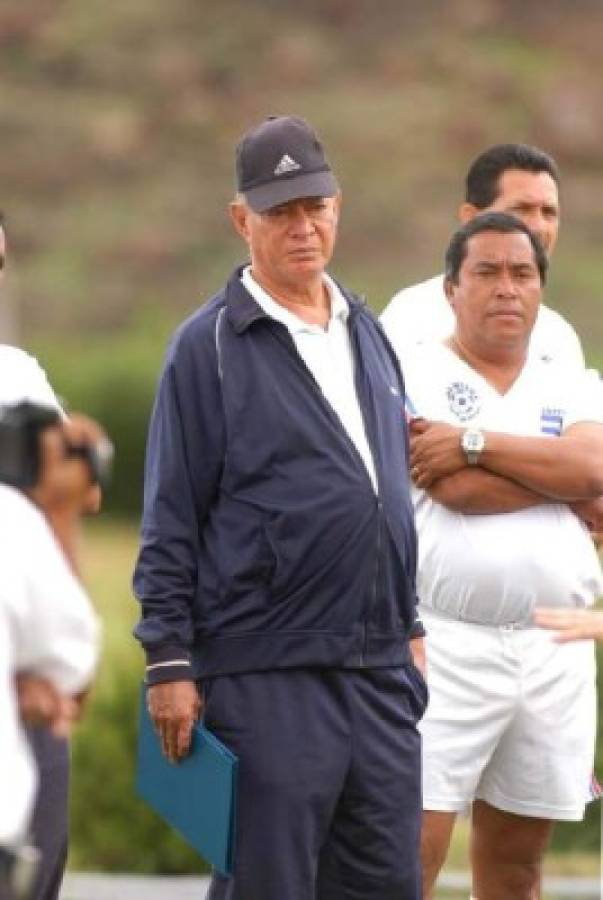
pixel 339 305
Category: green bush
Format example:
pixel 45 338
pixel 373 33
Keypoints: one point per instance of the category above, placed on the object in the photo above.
pixel 111 828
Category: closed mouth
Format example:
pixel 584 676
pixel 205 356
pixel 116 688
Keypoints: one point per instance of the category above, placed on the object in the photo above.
pixel 506 314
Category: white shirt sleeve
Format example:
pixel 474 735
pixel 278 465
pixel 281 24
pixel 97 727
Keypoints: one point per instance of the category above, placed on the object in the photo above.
pixel 586 401
pixel 54 627
pixel 418 314
pixel 554 337
pixel 571 351
pixel 22 378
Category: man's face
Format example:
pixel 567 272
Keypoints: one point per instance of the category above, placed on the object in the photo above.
pixel 532 197
pixel 498 293
pixel 292 243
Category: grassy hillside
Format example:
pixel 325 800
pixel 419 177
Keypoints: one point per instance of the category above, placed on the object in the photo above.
pixel 118 122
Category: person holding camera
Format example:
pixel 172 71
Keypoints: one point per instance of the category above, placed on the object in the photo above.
pixel 49 633
pixel 30 697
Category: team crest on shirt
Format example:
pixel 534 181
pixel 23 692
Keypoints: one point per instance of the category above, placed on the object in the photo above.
pixel 463 400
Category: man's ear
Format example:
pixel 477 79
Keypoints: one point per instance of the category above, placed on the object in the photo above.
pixel 337 205
pixel 467 211
pixel 449 290
pixel 239 212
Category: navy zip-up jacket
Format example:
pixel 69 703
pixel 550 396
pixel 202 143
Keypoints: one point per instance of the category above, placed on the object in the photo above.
pixel 263 543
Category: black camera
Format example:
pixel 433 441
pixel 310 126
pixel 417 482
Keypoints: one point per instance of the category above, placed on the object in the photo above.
pixel 21 426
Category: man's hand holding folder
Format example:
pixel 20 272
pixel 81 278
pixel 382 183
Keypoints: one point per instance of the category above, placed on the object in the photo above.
pixel 174 707
pixel 197 797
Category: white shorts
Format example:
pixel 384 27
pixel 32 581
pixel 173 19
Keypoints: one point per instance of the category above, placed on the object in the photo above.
pixel 511 720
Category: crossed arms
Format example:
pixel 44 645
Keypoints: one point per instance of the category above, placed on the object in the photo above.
pixel 514 472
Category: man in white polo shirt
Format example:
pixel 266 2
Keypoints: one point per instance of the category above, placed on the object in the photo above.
pixel 502 444
pixel 512 178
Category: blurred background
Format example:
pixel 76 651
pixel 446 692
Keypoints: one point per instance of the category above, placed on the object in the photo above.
pixel 118 122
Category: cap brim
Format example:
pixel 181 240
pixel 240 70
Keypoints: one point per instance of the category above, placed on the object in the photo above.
pixel 314 184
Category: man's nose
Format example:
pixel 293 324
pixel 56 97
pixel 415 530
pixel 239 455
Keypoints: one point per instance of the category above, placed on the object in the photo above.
pixel 300 219
pixel 506 285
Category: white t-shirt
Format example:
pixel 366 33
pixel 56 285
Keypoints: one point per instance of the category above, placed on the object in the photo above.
pixel 47 624
pixel 422 313
pixel 22 378
pixel 327 352
pixel 494 569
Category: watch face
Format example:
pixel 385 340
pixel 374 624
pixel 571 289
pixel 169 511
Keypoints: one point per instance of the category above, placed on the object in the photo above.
pixel 473 441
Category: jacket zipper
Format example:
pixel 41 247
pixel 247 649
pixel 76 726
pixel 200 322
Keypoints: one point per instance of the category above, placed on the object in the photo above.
pixel 287 342
pixel 369 419
pixel 375 586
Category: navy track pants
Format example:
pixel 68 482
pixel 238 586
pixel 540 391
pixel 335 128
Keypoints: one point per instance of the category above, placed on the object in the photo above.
pixel 50 822
pixel 329 803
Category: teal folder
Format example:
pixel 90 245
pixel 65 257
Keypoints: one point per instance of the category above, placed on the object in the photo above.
pixel 196 796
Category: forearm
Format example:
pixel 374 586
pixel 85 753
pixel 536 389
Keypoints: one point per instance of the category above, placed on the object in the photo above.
pixel 571 624
pixel 475 491
pixel 566 468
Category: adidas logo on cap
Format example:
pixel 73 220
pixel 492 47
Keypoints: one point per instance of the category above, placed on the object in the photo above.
pixel 286 164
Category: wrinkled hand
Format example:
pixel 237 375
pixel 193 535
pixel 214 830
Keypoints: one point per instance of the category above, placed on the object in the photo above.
pixel 571 624
pixel 174 707
pixel 435 451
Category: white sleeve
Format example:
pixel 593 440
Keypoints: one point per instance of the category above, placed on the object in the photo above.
pixel 586 402
pixel 67 633
pixel 554 336
pixel 38 388
pixel 570 348
pixel 389 316
pixel 23 378
pixel 57 632
pixel 418 314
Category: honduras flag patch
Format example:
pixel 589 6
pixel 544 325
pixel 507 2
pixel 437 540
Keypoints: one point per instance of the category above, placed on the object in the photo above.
pixel 551 421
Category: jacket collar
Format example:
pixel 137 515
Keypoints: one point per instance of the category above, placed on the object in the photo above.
pixel 243 310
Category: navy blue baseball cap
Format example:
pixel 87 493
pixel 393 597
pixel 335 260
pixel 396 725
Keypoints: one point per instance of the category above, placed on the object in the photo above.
pixel 281 159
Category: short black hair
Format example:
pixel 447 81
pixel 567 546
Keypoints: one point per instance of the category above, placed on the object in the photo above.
pixel 482 180
pixel 503 223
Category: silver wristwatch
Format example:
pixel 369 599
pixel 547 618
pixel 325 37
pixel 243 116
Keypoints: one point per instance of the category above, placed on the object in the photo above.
pixel 472 444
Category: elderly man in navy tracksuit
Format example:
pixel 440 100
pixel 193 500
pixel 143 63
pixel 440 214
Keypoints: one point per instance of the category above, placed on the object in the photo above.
pixel 277 566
